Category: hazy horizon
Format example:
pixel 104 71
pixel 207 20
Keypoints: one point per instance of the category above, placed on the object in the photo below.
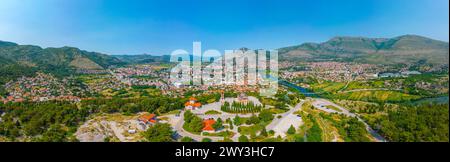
pixel 189 49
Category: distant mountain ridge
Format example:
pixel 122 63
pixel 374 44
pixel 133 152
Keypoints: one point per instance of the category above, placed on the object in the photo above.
pixel 24 60
pixel 403 49
pixel 143 58
pixel 65 58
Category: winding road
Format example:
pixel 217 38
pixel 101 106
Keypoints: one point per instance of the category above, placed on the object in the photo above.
pixel 344 111
pixel 279 125
pixel 377 136
pixel 179 128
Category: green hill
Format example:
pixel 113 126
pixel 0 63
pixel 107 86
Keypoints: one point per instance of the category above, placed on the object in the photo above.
pixel 65 58
pixel 143 58
pixel 405 49
pixel 18 60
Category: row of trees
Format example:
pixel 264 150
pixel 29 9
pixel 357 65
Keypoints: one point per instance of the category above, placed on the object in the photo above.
pixel 237 107
pixel 133 105
pixel 264 116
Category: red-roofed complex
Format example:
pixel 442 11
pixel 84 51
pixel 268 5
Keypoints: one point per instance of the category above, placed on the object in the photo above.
pixel 147 118
pixel 192 104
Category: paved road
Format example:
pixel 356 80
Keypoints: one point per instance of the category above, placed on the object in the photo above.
pixel 224 115
pixel 322 101
pixel 179 128
pixel 179 121
pixel 278 123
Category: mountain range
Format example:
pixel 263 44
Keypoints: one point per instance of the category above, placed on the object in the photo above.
pixel 399 50
pixel 49 58
pixel 24 60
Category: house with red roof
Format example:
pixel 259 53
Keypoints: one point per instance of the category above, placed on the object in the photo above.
pixel 192 104
pixel 147 119
pixel 208 125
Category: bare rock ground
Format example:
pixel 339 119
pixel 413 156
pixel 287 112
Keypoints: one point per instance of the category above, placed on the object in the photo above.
pixel 112 126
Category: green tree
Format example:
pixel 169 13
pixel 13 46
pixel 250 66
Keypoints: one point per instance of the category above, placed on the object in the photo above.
pixel 298 138
pixel 188 115
pixel 196 124
pixel 253 136
pixel 291 130
pixel 263 132
pixel 230 123
pixel 237 120
pixel 54 134
pixel 187 139
pixel 159 133
pixel 243 138
pixel 314 134
pixel 218 124
pixel 253 120
pixel 206 140
pixel 265 116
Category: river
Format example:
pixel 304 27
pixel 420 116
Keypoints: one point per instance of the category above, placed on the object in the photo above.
pixel 302 90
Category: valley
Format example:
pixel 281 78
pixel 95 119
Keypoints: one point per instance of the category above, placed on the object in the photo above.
pixel 342 90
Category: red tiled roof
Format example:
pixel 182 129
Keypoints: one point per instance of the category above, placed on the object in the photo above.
pixel 208 124
pixel 148 117
pixel 197 104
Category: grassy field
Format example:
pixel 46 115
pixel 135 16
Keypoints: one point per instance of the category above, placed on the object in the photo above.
pixel 173 112
pixel 253 129
pixel 363 85
pixel 333 108
pixel 227 133
pixel 277 111
pixel 377 96
pixel 212 112
pixel 328 87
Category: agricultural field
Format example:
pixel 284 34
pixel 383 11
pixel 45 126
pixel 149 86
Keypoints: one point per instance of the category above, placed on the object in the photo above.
pixel 328 87
pixel 377 96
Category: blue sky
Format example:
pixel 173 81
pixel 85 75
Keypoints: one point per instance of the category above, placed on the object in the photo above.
pixel 159 27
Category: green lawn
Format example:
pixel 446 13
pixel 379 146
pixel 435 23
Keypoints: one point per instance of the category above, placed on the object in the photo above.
pixel 212 112
pixel 377 96
pixel 333 108
pixel 228 134
pixel 248 130
pixel 329 87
